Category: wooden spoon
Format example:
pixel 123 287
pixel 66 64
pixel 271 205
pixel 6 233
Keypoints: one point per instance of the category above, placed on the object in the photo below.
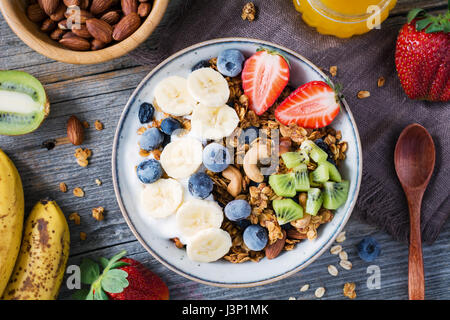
pixel 414 163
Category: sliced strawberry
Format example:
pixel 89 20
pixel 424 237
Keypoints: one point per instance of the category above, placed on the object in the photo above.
pixel 312 105
pixel 264 77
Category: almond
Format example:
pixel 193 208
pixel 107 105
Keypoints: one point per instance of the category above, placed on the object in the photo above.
pixel 48 25
pixel 70 3
pixel 75 43
pixel 78 16
pixel 49 6
pixel 57 34
pixel 274 249
pixel 100 30
pixel 35 13
pixel 81 31
pixel 75 131
pixel 63 25
pixel 69 34
pixel 129 6
pixel 126 26
pixel 144 9
pixel 111 17
pixel 58 15
pixel 84 4
pixel 97 45
pixel 295 234
pixel 100 6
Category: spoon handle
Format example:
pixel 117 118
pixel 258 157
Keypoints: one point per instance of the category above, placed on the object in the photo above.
pixel 416 279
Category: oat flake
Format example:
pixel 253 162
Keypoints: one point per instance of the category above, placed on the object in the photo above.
pixel 319 292
pixel 341 237
pixel 333 270
pixel 304 288
pixel 347 265
pixel 337 249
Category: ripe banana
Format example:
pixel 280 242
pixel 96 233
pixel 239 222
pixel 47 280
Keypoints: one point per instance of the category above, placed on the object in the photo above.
pixel 208 87
pixel 41 264
pixel 11 217
pixel 162 198
pixel 196 215
pixel 214 123
pixel 172 96
pixel 208 245
pixel 182 157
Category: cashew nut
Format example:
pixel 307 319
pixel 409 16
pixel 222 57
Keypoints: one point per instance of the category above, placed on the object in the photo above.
pixel 256 152
pixel 234 175
pixel 303 222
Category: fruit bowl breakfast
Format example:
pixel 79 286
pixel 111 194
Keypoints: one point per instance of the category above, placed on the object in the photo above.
pixel 236 151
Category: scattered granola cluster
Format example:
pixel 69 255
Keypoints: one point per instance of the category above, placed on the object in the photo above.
pixel 249 11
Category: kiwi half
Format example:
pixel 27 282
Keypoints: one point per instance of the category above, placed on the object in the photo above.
pixel 301 177
pixel 333 171
pixel 314 151
pixel 283 184
pixel 294 159
pixel 335 194
pixel 287 210
pixel 23 103
pixel 314 201
pixel 321 174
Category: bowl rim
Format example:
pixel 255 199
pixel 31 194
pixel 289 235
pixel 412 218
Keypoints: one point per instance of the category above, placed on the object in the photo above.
pixel 125 213
pixel 61 54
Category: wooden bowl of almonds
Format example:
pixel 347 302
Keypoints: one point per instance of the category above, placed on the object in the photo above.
pixel 83 31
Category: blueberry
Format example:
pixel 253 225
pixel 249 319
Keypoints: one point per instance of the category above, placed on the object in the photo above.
pixel 286 226
pixel 149 171
pixel 368 249
pixel 166 140
pixel 255 237
pixel 146 112
pixel 151 139
pixel 216 157
pixel 229 62
pixel 242 224
pixel 201 64
pixel 237 210
pixel 322 145
pixel 169 125
pixel 200 185
pixel 248 135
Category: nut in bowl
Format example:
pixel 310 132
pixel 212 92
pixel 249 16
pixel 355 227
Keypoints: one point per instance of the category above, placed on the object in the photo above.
pixel 83 31
pixel 231 176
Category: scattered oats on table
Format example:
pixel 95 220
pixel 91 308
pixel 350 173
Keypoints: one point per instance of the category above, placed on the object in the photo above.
pixel 304 288
pixel 75 217
pixel 98 182
pixel 363 94
pixel 341 237
pixel 249 11
pixel 97 213
pixel 349 290
pixel 333 270
pixel 63 187
pixel 98 125
pixel 83 236
pixel 343 255
pixel 78 192
pixel 381 81
pixel 292 298
pixel 319 292
pixel 333 71
pixel 347 265
pixel 336 249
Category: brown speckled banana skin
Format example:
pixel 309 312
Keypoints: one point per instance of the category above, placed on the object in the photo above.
pixel 11 217
pixel 42 260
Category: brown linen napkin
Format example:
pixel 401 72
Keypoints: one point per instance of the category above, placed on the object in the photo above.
pixel 361 61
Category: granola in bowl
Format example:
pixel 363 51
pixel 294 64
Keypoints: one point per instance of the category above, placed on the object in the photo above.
pixel 276 182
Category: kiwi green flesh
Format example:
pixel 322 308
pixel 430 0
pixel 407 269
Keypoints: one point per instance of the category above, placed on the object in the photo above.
pixel 293 159
pixel 321 174
pixel 335 194
pixel 314 152
pixel 314 201
pixel 17 122
pixel 283 184
pixel 287 210
pixel 312 183
pixel 333 172
pixel 301 178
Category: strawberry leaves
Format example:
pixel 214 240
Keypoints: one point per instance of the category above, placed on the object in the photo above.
pixel 429 23
pixel 112 279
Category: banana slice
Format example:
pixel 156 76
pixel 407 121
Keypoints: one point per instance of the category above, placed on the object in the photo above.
pixel 214 123
pixel 208 245
pixel 209 87
pixel 172 96
pixel 182 157
pixel 162 198
pixel 195 215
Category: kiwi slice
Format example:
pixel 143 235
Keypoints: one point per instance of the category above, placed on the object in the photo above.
pixel 335 194
pixel 314 201
pixel 23 103
pixel 287 210
pixel 301 178
pixel 321 174
pixel 283 184
pixel 314 152
pixel 293 159
pixel 312 183
pixel 333 172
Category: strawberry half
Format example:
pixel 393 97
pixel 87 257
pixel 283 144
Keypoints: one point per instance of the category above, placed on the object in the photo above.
pixel 312 105
pixel 264 77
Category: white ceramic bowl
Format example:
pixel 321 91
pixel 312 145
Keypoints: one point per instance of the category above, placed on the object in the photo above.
pixel 223 273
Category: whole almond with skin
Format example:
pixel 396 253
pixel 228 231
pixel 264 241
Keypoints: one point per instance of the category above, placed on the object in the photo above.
pixel 48 25
pixel 97 44
pixel 111 17
pixel 144 9
pixel 49 6
pixel 75 43
pixel 126 26
pixel 100 6
pixel 78 15
pixel 35 13
pixel 70 3
pixel 75 131
pixel 63 25
pixel 274 249
pixel 69 34
pixel 82 31
pixel 100 30
pixel 84 4
pixel 293 233
pixel 129 6
pixel 58 15
pixel 57 34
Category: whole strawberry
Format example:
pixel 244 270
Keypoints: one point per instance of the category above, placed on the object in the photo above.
pixel 422 56
pixel 121 279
